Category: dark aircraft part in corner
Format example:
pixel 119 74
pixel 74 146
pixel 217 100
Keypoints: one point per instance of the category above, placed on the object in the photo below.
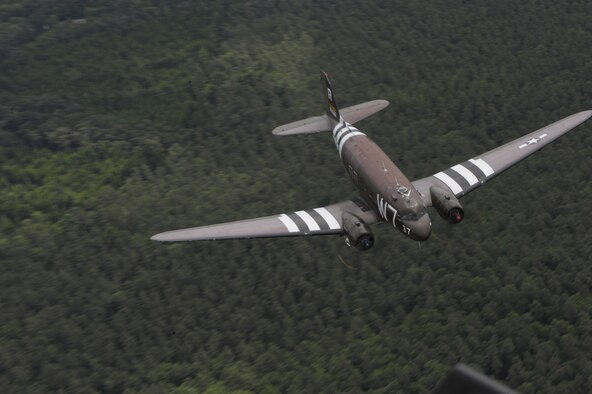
pixel 463 379
pixel 447 205
pixel 357 232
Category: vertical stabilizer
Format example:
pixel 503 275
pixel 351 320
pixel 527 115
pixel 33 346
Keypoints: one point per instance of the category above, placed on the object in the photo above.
pixel 332 109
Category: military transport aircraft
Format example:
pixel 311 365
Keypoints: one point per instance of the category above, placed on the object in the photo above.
pixel 387 195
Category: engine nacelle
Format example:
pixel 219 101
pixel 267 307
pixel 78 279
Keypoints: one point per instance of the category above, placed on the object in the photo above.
pixel 357 232
pixel 447 205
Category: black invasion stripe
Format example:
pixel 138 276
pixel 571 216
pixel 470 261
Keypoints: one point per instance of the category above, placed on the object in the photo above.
pixel 298 220
pixel 462 182
pixel 335 136
pixel 344 134
pixel 343 130
pixel 319 219
pixel 336 131
pixel 475 170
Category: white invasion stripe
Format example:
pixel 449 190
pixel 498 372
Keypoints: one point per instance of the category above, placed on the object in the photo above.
pixel 483 166
pixel 333 224
pixel 345 130
pixel 347 137
pixel 339 125
pixel 466 173
pixel 289 223
pixel 451 183
pixel 310 222
pixel 350 130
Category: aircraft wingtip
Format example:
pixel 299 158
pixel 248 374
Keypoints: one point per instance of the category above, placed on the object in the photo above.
pixel 171 236
pixel 585 115
pixel 157 237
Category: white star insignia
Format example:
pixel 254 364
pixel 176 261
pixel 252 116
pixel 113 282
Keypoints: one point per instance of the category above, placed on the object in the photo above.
pixel 533 140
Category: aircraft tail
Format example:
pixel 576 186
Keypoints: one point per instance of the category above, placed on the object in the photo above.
pixel 317 124
pixel 332 109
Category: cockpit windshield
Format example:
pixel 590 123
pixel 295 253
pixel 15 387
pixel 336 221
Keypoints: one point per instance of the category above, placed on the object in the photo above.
pixel 414 216
pixel 410 203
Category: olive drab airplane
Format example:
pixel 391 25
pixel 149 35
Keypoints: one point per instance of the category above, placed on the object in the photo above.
pixel 387 195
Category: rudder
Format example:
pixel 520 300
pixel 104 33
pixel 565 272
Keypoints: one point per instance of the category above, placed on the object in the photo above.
pixel 332 108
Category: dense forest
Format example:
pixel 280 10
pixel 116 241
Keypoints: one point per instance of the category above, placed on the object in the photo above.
pixel 122 119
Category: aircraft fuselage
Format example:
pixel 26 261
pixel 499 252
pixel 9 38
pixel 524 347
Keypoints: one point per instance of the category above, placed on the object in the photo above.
pixel 381 183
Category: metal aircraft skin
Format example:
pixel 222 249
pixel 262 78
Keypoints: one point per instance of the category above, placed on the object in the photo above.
pixel 387 195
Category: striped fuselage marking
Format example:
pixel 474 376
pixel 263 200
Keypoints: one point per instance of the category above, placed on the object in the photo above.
pixel 378 179
pixel 342 132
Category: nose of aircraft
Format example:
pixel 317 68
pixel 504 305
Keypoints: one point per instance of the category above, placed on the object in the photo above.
pixel 420 229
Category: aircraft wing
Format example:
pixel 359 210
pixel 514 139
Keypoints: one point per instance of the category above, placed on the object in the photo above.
pixel 317 221
pixel 465 177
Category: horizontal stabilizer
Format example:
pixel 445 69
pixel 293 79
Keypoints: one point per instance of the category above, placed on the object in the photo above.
pixel 358 112
pixel 317 124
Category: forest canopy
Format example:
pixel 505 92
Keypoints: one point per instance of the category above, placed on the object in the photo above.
pixel 121 120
